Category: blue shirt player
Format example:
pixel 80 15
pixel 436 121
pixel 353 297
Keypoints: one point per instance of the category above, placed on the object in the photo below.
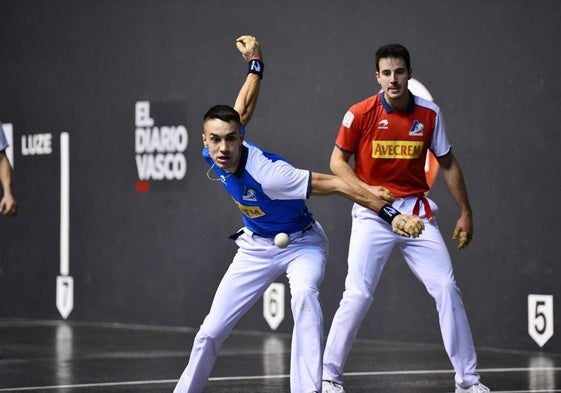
pixel 271 194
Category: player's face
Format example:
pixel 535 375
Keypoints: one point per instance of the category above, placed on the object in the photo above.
pixel 224 142
pixel 393 77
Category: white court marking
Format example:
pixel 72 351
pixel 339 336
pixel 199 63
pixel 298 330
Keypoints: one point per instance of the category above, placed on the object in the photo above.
pixel 264 377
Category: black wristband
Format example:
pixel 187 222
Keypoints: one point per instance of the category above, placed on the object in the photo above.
pixel 256 67
pixel 388 213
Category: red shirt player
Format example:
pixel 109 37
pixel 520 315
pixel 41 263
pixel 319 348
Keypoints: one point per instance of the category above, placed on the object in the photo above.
pixel 389 135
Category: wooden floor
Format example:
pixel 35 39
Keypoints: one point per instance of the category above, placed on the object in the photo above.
pixel 73 357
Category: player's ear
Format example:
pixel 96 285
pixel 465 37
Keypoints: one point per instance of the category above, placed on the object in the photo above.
pixel 204 140
pixel 410 73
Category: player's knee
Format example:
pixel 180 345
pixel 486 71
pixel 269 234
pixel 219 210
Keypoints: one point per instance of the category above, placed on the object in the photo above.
pixel 449 286
pixel 202 337
pixel 358 297
pixel 204 342
pixel 445 291
pixel 305 299
pixel 303 294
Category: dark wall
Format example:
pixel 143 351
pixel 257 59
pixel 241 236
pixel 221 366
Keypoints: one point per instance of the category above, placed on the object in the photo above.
pixel 152 251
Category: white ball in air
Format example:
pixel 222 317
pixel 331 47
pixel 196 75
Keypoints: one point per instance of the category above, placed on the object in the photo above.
pixel 281 240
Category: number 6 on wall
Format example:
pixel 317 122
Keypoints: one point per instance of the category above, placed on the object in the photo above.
pixel 540 318
pixel 273 305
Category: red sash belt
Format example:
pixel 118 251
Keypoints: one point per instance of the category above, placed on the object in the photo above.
pixel 428 211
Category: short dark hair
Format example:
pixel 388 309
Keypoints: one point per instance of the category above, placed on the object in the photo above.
pixel 393 50
pixel 223 112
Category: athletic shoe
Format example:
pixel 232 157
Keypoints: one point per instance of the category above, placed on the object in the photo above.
pixel 477 388
pixel 331 387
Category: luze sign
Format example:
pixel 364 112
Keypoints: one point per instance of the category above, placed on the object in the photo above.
pixel 540 318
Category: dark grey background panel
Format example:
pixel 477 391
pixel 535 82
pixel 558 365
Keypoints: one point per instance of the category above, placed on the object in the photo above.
pixel 156 257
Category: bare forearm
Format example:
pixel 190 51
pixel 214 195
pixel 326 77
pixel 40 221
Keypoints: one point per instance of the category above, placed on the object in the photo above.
pixel 358 194
pixel 323 184
pixel 454 180
pixel 5 174
pixel 403 224
pixel 8 204
pixel 246 100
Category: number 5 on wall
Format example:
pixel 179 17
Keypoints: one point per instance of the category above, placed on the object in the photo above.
pixel 540 318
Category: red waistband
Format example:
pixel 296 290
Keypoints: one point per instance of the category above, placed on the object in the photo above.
pixel 428 211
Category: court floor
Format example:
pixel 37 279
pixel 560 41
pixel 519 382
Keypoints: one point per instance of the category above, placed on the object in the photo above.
pixel 78 357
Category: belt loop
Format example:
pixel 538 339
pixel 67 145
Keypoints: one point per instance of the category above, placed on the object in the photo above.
pixel 235 236
pixel 309 227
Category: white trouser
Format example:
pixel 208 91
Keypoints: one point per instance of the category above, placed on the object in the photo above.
pixel 257 263
pixel 371 243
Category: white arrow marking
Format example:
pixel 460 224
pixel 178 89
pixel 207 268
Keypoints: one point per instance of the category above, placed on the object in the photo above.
pixel 64 204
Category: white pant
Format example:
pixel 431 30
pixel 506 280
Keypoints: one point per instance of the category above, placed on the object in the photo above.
pixel 371 243
pixel 257 263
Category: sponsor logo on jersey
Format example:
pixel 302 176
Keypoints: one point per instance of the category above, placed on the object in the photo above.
pixel 249 194
pixel 348 119
pixel 383 124
pixel 250 211
pixel 417 128
pixel 397 149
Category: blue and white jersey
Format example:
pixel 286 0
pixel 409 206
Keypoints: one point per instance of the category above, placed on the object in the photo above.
pixel 269 191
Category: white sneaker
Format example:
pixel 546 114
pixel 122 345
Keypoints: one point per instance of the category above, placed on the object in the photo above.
pixel 331 387
pixel 477 388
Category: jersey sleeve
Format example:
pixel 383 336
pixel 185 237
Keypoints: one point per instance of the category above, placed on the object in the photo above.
pixel 440 145
pixel 283 181
pixel 348 137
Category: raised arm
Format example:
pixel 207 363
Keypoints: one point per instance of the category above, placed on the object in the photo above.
pixel 249 93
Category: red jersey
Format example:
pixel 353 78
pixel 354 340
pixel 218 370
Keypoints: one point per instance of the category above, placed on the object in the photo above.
pixel 390 146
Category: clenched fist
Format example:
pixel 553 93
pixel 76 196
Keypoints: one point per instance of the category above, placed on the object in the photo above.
pixel 408 225
pixel 249 47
